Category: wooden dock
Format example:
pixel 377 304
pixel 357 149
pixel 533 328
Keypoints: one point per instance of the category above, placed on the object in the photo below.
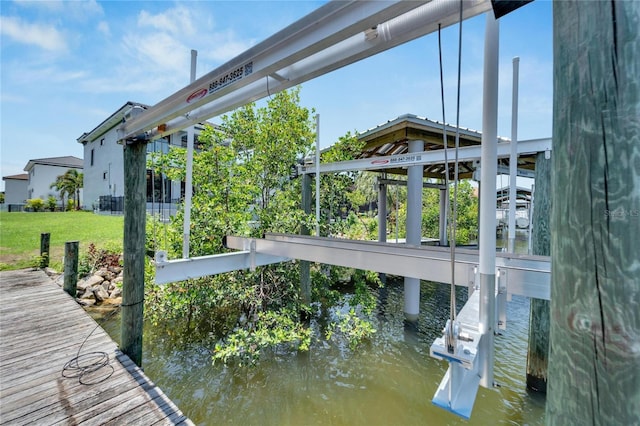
pixel 41 329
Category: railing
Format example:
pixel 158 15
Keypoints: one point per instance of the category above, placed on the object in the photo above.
pixel 110 203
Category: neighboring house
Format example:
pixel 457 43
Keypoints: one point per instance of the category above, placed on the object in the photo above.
pixel 15 191
pixel 104 167
pixel 44 171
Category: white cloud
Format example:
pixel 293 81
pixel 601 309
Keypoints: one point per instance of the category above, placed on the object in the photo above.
pixel 44 36
pixel 157 51
pixel 177 21
pixel 76 10
pixel 226 45
pixel 11 98
pixel 104 28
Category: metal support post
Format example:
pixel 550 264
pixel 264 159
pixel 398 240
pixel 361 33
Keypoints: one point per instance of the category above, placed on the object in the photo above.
pixel 382 212
pixel 487 243
pixel 188 183
pixel 513 159
pixel 413 231
pixel 444 207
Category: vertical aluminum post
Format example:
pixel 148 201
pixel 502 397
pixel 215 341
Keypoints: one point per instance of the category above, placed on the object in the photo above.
pixel 188 183
pixel 382 212
pixel 317 175
pixel 489 160
pixel 413 230
pixel 513 158
pixel 444 207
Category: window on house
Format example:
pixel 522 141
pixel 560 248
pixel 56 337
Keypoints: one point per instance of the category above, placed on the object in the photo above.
pixel 101 141
pixel 92 156
pixel 104 175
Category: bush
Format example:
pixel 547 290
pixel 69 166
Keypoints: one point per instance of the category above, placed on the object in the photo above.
pixel 35 204
pixel 70 205
pixel 51 203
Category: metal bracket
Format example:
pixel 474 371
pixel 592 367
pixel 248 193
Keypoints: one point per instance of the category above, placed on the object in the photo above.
pixel 501 298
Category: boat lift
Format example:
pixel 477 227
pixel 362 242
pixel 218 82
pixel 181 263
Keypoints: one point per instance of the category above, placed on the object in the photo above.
pixel 335 35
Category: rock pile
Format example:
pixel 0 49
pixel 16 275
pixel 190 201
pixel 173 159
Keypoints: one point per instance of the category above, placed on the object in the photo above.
pixel 103 285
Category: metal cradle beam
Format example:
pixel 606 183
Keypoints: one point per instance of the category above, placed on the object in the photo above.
pixel 523 275
pixel 527 276
pixel 337 34
pixel 467 153
pixel 168 271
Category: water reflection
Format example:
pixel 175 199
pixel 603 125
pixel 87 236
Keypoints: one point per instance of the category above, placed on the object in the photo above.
pixel 387 381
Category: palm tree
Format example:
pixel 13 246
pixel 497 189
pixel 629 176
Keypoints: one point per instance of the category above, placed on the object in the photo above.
pixel 75 183
pixel 69 183
pixel 60 186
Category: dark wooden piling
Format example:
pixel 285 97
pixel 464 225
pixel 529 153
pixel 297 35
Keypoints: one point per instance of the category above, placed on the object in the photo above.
pixel 71 249
pixel 45 237
pixel 135 155
pixel 594 363
pixel 538 351
pixel 305 266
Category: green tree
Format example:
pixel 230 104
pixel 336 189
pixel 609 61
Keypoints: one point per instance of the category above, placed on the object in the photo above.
pixel 69 184
pixel 242 186
pixel 467 223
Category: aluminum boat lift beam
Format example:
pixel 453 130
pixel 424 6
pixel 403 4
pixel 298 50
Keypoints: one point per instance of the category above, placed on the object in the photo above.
pixel 466 153
pixel 522 275
pixel 335 35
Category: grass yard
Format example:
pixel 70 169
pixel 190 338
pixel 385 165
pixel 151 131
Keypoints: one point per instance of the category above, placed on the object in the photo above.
pixel 20 235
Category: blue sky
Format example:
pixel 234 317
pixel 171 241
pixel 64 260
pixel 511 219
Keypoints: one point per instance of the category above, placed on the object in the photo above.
pixel 67 65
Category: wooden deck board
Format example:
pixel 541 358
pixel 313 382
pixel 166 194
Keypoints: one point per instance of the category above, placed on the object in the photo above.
pixel 41 328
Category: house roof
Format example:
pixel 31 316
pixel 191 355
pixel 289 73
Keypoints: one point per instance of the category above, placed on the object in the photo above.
pixel 522 193
pixel 22 176
pixel 68 161
pixel 392 138
pixel 108 124
pixel 115 119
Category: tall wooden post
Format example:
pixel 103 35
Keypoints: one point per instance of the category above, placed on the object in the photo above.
pixel 305 266
pixel 135 154
pixel 594 363
pixel 45 237
pixel 537 355
pixel 71 267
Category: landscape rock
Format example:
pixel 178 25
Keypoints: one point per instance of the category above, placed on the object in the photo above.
pixel 118 280
pixel 102 272
pixel 86 295
pixel 117 292
pixel 88 282
pixel 86 302
pixel 99 293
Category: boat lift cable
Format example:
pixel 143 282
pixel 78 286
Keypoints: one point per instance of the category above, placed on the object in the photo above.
pixel 454 219
pixel 452 328
pixel 445 145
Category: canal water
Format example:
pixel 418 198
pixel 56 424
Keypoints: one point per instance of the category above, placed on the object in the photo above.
pixel 388 380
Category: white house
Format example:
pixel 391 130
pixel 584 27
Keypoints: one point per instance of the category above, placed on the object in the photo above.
pixel 104 167
pixel 44 171
pixel 15 191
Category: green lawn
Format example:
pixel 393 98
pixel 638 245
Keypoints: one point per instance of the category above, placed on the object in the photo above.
pixel 20 235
